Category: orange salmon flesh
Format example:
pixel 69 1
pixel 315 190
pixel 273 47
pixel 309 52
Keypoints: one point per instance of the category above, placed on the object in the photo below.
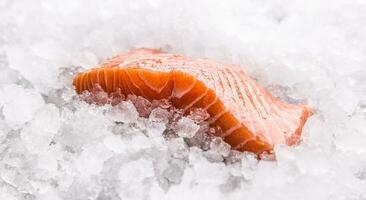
pixel 250 118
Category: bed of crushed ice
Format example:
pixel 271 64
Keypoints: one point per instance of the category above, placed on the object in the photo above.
pixel 55 146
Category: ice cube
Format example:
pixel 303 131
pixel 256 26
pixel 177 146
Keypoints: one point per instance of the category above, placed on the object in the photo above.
pixel 174 172
pixel 39 133
pixel 134 177
pixel 19 104
pixel 124 112
pixel 178 148
pixel 159 115
pixel 8 76
pixel 84 58
pixel 219 146
pixel 7 195
pixel 249 164
pixel 186 127
pixel 92 159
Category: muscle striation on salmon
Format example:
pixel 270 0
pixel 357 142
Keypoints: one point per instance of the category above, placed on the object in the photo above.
pixel 249 117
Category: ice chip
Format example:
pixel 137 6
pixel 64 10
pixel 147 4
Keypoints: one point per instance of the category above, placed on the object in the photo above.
pixel 7 196
pixel 114 143
pixel 174 171
pixel 178 148
pixel 159 115
pixel 8 76
pixel 92 159
pixel 19 104
pixel 124 112
pixel 219 146
pixel 47 161
pixel 49 49
pixel 84 58
pixel 143 106
pixel 218 150
pixel 134 176
pixel 249 164
pixel 186 127
pixel 202 138
pixel 198 115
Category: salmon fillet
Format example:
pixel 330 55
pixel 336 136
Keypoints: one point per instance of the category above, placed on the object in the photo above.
pixel 250 118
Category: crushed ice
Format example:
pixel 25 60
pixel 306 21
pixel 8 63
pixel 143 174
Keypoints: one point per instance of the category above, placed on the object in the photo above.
pixel 54 146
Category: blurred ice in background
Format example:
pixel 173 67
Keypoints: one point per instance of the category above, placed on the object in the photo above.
pixel 54 146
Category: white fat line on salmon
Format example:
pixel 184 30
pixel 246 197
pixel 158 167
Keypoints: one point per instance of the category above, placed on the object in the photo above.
pixel 248 106
pixel 86 81
pixel 196 100
pixel 241 94
pixel 114 79
pixel 122 82
pixel 136 86
pixel 98 77
pixel 185 91
pixel 243 143
pixel 83 82
pixel 281 114
pixel 231 130
pixel 266 105
pixel 127 81
pixel 212 103
pixel 232 84
pixel 218 116
pixel 258 108
pixel 217 83
pixel 90 81
pixel 223 81
pixel 152 87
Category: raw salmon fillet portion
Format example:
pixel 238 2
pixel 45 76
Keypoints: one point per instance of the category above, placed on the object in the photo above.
pixel 249 117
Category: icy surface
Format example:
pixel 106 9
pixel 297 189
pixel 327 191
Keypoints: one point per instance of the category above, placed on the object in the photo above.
pixel 55 146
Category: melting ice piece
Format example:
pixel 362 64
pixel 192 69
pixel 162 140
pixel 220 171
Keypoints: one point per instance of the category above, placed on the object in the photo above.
pixel 250 118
